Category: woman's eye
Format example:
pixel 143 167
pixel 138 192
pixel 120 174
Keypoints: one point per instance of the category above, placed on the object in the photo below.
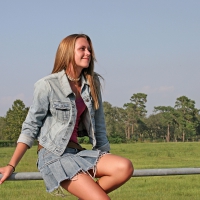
pixel 84 48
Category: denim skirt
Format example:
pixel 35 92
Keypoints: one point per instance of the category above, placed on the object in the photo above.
pixel 55 169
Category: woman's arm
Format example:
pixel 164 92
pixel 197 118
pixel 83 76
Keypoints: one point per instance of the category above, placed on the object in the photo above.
pixel 30 127
pixel 17 155
pixel 36 114
pixel 100 126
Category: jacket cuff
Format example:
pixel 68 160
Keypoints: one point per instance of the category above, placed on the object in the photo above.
pixel 104 148
pixel 26 140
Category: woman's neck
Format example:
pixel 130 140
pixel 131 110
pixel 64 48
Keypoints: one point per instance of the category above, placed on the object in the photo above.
pixel 72 74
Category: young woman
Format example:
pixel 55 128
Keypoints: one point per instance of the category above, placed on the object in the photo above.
pixel 68 104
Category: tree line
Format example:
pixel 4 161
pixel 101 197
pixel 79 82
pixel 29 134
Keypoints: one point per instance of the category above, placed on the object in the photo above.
pixel 129 123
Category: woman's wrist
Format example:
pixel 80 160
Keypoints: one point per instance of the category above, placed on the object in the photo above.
pixel 11 166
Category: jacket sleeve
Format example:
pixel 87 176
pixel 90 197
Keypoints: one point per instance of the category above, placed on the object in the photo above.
pixel 37 112
pixel 102 142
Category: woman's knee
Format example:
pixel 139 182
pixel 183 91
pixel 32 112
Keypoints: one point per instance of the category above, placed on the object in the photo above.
pixel 112 165
pixel 126 167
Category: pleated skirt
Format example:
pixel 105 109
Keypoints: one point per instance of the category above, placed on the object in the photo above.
pixel 55 169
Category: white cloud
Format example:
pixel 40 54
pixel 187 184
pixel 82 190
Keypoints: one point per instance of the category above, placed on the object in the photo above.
pixel 166 89
pixel 10 99
pixel 162 89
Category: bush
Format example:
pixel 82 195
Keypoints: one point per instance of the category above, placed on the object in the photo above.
pixel 7 143
pixel 84 140
pixel 115 140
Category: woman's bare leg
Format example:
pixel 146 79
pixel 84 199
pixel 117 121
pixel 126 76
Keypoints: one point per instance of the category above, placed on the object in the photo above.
pixel 85 188
pixel 113 171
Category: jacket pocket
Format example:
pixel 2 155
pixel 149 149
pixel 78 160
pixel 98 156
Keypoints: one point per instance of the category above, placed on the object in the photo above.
pixel 62 110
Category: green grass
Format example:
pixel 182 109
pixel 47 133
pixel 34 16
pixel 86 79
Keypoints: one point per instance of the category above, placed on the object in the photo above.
pixel 143 156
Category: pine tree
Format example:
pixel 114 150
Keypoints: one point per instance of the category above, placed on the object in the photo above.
pixel 15 116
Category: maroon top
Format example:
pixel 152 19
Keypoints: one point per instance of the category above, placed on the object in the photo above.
pixel 80 106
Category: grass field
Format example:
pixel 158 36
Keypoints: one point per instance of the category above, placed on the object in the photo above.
pixel 143 156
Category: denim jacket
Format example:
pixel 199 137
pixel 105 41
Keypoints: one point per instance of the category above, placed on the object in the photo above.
pixel 52 116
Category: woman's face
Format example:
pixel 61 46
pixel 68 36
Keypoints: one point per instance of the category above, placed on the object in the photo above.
pixel 82 53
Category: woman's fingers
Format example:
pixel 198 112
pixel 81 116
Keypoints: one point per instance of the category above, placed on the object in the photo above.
pixel 6 172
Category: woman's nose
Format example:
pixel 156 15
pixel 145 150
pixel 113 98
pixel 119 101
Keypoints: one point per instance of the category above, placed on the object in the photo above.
pixel 88 52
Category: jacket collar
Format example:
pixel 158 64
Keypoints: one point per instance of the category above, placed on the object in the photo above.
pixel 65 86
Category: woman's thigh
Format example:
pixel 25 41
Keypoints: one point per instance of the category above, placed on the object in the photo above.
pixel 110 164
pixel 84 187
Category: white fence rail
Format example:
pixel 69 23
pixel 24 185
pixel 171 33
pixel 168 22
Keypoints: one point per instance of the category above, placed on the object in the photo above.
pixel 137 173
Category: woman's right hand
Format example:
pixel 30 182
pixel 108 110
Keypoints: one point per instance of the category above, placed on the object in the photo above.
pixel 9 169
pixel 6 172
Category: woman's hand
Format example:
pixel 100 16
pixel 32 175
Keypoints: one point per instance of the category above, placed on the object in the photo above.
pixel 10 168
pixel 6 172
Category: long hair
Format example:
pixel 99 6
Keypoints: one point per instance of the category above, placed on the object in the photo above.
pixel 65 57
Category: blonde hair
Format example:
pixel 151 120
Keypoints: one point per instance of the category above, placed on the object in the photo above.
pixel 65 57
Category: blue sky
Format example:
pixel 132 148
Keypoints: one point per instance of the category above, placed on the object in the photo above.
pixel 148 46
